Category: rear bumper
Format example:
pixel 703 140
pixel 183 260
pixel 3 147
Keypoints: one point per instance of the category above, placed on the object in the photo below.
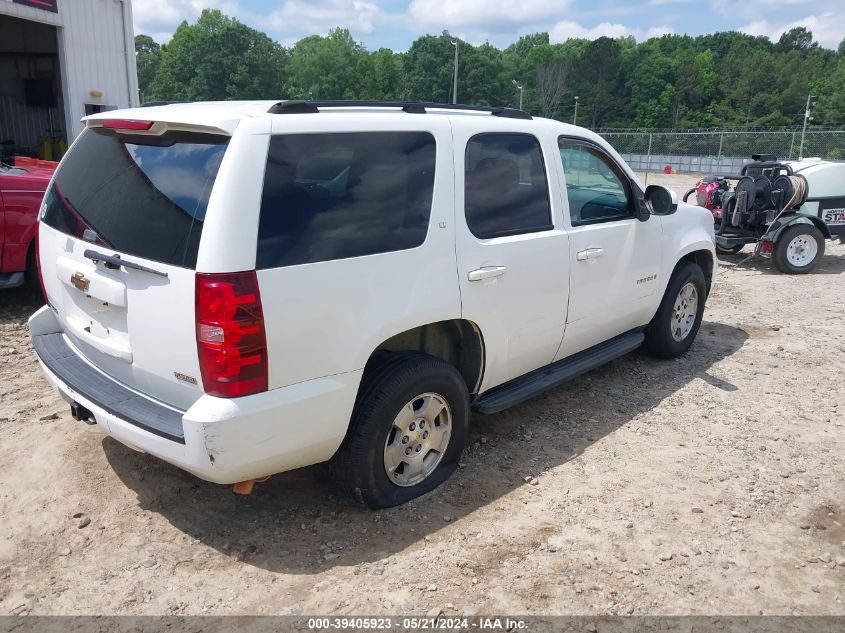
pixel 217 439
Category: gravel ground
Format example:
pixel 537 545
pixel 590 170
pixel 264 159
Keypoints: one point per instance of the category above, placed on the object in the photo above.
pixel 712 484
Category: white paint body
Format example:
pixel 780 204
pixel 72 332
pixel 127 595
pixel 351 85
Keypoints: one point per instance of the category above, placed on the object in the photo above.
pixel 323 320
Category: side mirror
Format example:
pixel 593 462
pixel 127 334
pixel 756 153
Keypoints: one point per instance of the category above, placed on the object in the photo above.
pixel 661 200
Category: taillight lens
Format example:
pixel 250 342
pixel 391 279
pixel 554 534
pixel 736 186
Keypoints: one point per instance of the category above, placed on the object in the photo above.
pixel 231 342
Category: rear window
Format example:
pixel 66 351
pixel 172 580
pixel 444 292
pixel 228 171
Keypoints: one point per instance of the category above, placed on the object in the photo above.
pixel 506 192
pixel 143 196
pixel 339 195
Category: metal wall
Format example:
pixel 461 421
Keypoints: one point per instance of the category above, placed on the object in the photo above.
pixel 96 53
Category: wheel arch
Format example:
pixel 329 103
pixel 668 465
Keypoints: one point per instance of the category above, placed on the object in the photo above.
pixel 458 342
pixel 792 219
pixel 704 258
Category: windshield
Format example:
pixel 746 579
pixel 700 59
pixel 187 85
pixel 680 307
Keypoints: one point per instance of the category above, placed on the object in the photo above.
pixel 144 196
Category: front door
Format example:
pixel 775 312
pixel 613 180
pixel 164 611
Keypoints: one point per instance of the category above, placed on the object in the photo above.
pixel 513 254
pixel 615 257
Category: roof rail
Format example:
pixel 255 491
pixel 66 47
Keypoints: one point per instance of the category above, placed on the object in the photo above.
pixel 413 107
pixel 152 104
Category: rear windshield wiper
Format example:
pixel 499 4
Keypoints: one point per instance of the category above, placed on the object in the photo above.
pixel 114 261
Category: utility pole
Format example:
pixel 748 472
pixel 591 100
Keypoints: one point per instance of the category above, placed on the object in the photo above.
pixel 575 116
pixel 519 87
pixel 455 84
pixel 807 118
pixel 455 87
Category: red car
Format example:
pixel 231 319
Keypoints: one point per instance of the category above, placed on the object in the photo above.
pixel 22 187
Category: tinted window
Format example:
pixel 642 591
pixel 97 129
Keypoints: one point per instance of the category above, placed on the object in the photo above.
pixel 506 190
pixel 333 196
pixel 140 196
pixel 596 189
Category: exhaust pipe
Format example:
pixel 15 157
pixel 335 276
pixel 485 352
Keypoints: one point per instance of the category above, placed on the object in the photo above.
pixel 78 412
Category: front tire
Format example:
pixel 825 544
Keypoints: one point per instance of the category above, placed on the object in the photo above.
pixel 407 431
pixel 676 323
pixel 798 249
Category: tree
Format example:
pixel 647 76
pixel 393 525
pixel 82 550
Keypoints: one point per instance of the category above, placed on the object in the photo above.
pixel 673 81
pixel 147 58
pixel 379 75
pixel 429 65
pixel 598 79
pixel 325 67
pixel 219 58
pixel 797 38
pixel 551 87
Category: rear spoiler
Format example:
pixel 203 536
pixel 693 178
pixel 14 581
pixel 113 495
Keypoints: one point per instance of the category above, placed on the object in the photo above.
pixel 145 127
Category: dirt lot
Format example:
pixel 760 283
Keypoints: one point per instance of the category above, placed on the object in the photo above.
pixel 714 484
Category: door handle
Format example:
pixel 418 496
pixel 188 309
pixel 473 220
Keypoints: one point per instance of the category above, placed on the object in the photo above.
pixel 590 253
pixel 487 272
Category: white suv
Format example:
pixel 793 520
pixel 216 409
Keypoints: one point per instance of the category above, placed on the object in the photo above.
pixel 245 288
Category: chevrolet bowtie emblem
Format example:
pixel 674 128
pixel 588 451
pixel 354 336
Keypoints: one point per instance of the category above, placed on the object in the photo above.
pixel 78 280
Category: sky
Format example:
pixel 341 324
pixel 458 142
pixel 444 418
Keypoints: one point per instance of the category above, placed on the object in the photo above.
pixel 395 24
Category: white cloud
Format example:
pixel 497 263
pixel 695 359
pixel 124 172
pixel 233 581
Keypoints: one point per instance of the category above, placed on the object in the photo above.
pixel 159 18
pixel 826 27
pixel 318 16
pixel 565 30
pixel 474 13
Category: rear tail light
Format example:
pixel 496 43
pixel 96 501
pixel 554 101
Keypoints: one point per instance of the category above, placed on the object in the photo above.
pixel 231 342
pixel 766 247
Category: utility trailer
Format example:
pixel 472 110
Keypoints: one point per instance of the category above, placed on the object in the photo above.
pixel 787 209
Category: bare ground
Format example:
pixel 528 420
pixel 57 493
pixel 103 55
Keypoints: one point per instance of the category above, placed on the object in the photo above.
pixel 713 484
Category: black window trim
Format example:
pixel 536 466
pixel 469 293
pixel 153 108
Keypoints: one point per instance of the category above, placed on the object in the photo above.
pixel 511 232
pixel 630 188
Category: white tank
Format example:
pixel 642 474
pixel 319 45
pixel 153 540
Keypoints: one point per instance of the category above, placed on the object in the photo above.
pixel 826 190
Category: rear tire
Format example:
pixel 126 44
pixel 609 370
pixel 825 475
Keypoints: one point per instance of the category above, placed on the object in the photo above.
pixel 798 249
pixel 393 414
pixel 676 323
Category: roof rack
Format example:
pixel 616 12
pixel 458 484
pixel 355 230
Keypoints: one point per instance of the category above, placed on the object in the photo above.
pixel 153 104
pixel 412 107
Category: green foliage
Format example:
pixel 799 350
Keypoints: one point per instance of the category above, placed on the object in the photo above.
pixel 324 67
pixel 147 57
pixel 796 39
pixel 674 81
pixel 219 58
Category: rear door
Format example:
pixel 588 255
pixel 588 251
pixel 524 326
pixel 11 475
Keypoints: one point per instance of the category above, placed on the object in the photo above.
pixel 356 237
pixel 139 198
pixel 513 255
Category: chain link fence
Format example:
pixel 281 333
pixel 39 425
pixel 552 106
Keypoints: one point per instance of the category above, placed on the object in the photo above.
pixel 720 151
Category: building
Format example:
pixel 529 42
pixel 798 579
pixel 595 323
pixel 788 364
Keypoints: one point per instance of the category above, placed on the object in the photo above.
pixel 61 60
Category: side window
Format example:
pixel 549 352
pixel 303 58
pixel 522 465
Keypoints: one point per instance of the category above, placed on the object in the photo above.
pixel 596 188
pixel 340 195
pixel 506 191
